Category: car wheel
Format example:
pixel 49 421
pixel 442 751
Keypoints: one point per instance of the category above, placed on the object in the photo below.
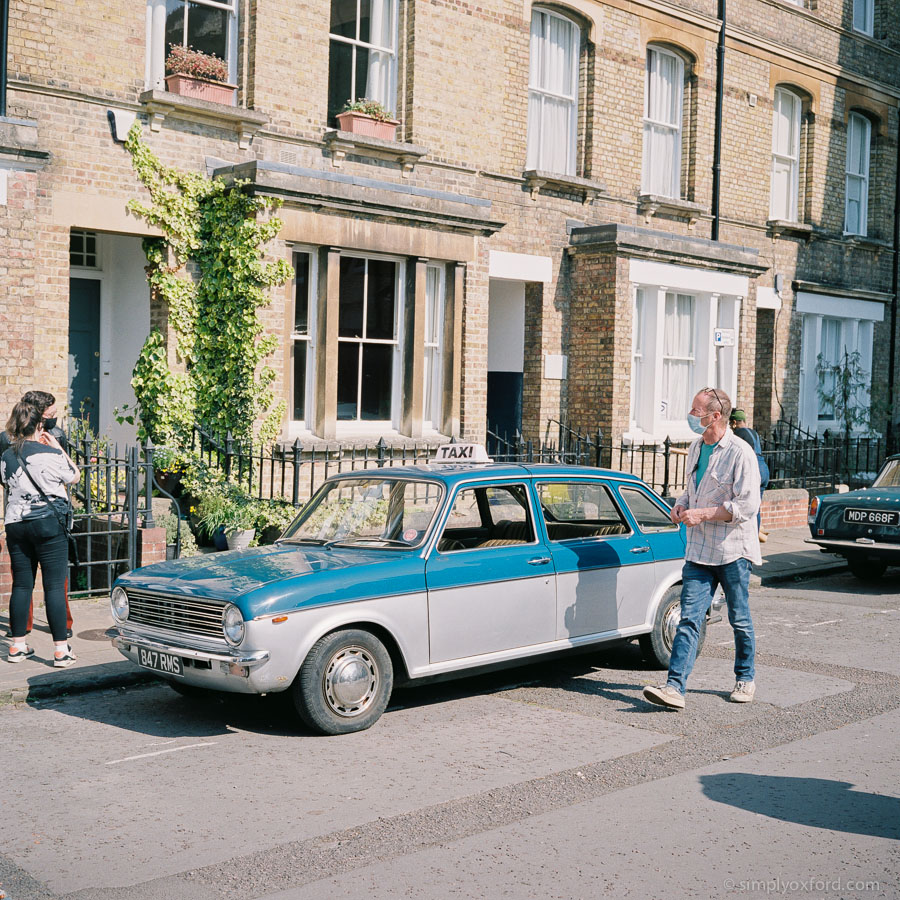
pixel 657 646
pixel 345 682
pixel 866 569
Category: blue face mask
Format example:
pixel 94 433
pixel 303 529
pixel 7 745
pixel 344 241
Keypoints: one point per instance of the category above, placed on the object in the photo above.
pixel 696 423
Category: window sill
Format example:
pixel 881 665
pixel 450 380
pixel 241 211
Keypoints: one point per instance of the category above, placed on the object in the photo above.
pixel 778 227
pixel 866 242
pixel 161 105
pixel 341 144
pixel 535 179
pixel 651 204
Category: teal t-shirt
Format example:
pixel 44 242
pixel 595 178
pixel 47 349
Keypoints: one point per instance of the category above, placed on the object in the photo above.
pixel 705 453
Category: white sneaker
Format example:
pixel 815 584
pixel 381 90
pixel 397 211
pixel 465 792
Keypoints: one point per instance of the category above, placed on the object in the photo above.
pixel 664 695
pixel 743 692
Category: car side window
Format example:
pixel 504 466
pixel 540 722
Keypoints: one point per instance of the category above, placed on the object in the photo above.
pixel 646 513
pixel 575 510
pixel 490 516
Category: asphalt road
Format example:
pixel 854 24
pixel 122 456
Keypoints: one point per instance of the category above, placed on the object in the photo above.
pixel 549 781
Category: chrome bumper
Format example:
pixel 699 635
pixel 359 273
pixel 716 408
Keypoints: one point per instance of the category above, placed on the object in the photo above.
pixel 836 545
pixel 123 639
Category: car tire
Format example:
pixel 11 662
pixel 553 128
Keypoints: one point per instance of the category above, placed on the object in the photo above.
pixel 345 682
pixel 866 569
pixel 657 645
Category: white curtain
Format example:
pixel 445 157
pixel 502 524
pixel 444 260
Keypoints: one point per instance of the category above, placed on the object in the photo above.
pixel 830 351
pixel 863 16
pixel 637 356
pixel 380 75
pixel 785 155
pixel 434 306
pixel 662 124
pixel 678 355
pixel 553 93
pixel 858 142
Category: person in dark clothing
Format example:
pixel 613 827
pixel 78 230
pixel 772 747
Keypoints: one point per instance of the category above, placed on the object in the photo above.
pixel 35 471
pixel 738 423
pixel 45 403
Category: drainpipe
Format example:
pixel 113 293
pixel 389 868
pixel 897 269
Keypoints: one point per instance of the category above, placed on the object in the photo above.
pixel 4 43
pixel 895 287
pixel 717 149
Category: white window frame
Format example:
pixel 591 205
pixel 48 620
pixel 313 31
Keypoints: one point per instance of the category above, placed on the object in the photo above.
pixel 433 384
pixel 857 318
pixel 855 124
pixel 389 100
pixel 539 95
pixel 789 210
pixel 304 426
pixel 717 304
pixel 864 16
pixel 357 426
pixel 155 68
pixel 673 129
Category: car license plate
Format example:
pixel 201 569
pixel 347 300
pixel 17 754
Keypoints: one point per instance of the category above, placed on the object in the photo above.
pixel 160 662
pixel 871 517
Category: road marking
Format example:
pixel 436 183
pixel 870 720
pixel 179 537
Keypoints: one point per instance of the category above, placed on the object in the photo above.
pixel 113 762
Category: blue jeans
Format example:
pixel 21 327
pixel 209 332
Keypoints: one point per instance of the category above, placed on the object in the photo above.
pixel 699 583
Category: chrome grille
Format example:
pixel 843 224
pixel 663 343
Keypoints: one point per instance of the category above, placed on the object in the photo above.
pixel 186 615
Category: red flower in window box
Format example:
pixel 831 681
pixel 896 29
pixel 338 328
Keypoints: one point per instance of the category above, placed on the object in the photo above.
pixel 203 76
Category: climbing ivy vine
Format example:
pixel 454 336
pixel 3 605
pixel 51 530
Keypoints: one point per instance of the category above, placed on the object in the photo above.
pixel 210 270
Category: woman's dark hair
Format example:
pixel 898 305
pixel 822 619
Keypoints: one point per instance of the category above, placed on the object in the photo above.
pixel 41 399
pixel 22 423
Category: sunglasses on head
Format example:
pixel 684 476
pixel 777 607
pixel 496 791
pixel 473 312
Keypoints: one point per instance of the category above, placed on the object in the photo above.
pixel 715 393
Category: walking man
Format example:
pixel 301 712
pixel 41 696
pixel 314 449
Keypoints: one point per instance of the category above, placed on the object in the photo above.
pixel 719 508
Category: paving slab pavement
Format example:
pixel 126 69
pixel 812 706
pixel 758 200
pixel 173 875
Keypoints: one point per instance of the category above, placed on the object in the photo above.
pixel 785 558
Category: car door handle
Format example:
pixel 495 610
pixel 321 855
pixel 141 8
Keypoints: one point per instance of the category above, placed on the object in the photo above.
pixel 640 549
pixel 539 561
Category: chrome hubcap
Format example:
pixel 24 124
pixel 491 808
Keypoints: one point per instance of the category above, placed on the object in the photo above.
pixel 350 682
pixel 670 623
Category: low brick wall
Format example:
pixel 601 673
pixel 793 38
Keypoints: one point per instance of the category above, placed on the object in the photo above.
pixel 784 508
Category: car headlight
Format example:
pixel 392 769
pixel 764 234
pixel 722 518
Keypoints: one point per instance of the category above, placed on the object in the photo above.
pixel 233 624
pixel 118 603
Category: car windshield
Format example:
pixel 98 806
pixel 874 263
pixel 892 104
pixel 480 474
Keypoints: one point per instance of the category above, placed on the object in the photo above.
pixel 378 512
pixel 889 476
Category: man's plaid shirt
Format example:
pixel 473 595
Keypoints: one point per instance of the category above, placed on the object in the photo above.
pixel 731 480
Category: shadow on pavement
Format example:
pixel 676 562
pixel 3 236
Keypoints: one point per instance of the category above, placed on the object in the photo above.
pixel 814 802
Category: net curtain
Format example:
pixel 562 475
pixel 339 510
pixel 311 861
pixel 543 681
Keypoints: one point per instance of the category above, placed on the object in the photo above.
pixel 552 96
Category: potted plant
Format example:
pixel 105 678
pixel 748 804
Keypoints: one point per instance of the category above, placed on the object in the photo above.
pixel 272 517
pixel 193 73
pixel 369 118
pixel 240 523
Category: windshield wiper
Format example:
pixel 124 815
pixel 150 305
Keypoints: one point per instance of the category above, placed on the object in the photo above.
pixel 319 542
pixel 392 542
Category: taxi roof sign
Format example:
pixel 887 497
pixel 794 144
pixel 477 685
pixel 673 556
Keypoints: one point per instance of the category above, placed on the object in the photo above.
pixel 461 453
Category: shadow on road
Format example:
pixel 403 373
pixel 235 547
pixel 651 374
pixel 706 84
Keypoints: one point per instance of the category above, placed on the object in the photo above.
pixel 814 802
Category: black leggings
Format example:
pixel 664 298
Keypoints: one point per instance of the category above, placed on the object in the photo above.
pixel 29 546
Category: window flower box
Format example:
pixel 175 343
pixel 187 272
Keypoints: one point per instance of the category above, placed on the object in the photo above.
pixel 201 89
pixel 368 126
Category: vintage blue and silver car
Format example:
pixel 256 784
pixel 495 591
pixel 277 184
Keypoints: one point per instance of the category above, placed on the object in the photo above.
pixel 862 526
pixel 399 574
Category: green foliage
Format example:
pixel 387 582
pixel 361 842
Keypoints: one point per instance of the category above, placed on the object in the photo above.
pixel 169 521
pixel 843 387
pixel 368 108
pixel 222 231
pixel 165 398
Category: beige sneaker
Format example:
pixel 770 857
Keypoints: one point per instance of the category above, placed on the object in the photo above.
pixel 743 692
pixel 664 695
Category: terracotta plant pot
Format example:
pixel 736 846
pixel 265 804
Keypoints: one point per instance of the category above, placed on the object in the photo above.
pixel 367 126
pixel 201 89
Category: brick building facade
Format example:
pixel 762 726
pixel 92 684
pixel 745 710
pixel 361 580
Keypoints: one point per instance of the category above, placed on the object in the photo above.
pixel 538 240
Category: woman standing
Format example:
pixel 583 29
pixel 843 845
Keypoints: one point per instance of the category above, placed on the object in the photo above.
pixel 35 471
